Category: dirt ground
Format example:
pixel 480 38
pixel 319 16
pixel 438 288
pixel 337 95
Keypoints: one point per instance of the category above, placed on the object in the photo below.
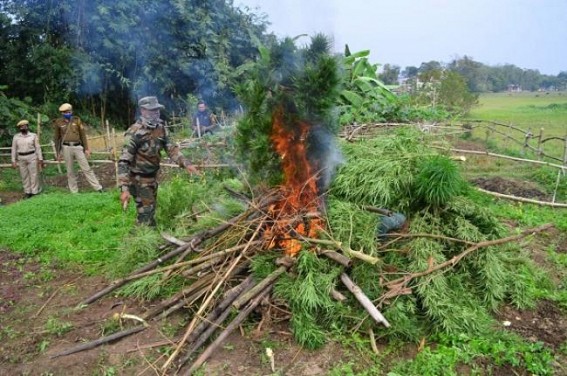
pixel 519 188
pixel 38 319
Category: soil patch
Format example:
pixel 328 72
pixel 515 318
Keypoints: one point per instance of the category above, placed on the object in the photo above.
pixel 518 188
pixel 546 323
pixel 38 319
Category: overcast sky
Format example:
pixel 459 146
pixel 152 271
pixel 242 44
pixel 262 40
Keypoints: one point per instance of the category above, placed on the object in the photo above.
pixel 530 34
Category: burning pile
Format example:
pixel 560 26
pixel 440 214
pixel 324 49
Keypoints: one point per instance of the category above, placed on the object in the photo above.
pixel 297 214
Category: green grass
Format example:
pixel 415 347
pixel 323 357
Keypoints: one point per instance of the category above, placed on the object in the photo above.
pixel 85 228
pixel 527 111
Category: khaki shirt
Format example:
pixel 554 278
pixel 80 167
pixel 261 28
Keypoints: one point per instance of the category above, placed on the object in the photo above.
pixel 25 143
pixel 69 131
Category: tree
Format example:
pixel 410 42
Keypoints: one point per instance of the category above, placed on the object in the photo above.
pixel 390 74
pixel 102 55
pixel 455 95
pixel 410 72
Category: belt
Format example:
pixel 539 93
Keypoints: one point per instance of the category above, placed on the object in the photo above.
pixel 150 175
pixel 72 143
pixel 27 153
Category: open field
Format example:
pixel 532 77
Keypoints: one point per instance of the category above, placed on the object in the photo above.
pixel 528 111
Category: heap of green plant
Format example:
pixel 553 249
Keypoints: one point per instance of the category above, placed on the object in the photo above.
pixel 398 172
pixel 301 82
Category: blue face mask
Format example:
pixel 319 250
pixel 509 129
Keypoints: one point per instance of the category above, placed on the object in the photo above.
pixel 68 116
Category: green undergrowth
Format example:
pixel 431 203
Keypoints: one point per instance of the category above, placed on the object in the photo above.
pixel 83 228
pixel 452 354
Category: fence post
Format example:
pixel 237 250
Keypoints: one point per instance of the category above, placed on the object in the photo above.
pixel 527 139
pixel 39 127
pixel 55 156
pixel 565 153
pixel 540 144
pixel 115 154
pixel 107 139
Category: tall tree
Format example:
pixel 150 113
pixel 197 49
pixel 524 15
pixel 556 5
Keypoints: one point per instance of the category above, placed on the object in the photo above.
pixel 389 74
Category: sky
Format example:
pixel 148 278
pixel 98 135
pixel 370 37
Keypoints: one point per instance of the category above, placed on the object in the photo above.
pixel 531 34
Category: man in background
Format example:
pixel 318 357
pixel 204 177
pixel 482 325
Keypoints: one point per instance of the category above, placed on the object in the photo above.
pixel 203 121
pixel 71 144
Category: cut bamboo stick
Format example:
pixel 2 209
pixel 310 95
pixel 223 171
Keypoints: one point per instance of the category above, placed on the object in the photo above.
pixel 364 301
pixel 245 298
pixel 100 341
pixel 229 329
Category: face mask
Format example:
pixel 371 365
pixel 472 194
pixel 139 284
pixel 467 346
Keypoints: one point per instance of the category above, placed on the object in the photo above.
pixel 68 116
pixel 152 116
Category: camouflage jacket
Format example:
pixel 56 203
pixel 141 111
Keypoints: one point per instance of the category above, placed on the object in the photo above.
pixel 141 152
pixel 69 131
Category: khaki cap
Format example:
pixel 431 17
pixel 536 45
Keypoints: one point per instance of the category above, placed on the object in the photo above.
pixel 150 103
pixel 22 122
pixel 65 107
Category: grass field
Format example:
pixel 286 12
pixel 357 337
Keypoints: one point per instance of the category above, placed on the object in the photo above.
pixel 528 111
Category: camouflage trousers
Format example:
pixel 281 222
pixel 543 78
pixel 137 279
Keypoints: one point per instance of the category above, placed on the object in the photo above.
pixel 144 191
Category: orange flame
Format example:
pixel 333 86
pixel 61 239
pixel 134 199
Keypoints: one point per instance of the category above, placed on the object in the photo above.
pixel 299 189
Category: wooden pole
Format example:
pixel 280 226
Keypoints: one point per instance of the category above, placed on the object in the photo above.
pixel 107 143
pixel 364 301
pixel 522 199
pixel 115 155
pixel 55 155
pixel 229 329
pixel 528 136
pixel 38 127
pixel 269 280
pixel 540 144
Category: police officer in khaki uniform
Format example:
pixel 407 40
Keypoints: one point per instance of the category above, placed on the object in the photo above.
pixel 26 154
pixel 138 165
pixel 71 143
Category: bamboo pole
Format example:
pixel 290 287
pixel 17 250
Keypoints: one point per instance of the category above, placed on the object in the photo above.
pixel 100 341
pixel 245 298
pixel 337 257
pixel 540 144
pixel 487 153
pixel 115 155
pixel 204 306
pixel 528 136
pixel 214 320
pixel 38 126
pixel 56 156
pixel 364 301
pixel 229 329
pixel 522 199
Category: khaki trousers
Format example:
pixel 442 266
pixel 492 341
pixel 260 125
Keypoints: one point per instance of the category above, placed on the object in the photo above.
pixel 71 153
pixel 29 174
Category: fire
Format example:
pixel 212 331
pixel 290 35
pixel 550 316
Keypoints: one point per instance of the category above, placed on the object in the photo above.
pixel 291 215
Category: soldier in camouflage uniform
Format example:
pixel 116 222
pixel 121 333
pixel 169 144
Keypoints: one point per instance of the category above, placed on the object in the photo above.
pixel 139 163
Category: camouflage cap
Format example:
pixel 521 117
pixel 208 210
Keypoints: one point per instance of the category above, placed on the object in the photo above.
pixel 150 103
pixel 22 122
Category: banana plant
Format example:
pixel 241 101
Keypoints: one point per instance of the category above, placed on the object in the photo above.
pixel 363 97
